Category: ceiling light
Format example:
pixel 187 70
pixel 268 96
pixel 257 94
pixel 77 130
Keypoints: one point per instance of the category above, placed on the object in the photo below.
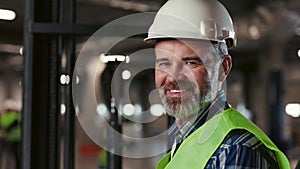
pixel 63 109
pixel 128 109
pixel 126 74
pixel 64 79
pixel 21 50
pixel 105 58
pixel 293 109
pixel 102 110
pixel 6 14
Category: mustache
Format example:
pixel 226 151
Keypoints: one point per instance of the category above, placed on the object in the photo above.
pixel 180 84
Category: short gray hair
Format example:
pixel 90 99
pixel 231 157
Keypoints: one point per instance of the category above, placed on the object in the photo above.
pixel 221 49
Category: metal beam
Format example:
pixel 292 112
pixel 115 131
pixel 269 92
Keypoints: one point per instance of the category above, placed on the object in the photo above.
pixel 40 91
pixel 63 28
pixel 80 29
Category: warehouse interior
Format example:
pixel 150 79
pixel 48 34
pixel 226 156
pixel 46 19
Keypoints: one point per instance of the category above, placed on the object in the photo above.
pixel 50 73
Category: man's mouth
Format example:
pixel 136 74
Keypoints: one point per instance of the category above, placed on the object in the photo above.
pixel 178 93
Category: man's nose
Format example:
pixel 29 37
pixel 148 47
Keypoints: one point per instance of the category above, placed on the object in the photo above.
pixel 175 74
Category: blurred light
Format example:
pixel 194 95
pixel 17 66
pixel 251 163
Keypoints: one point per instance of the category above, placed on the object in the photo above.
pixel 157 110
pixel 103 58
pixel 64 79
pixel 126 74
pixel 102 110
pixel 254 32
pixel 21 50
pixel 128 109
pixel 127 59
pixel 293 109
pixel 77 79
pixel 113 58
pixel 6 14
pixel 132 5
pixel 120 58
pixel 62 109
pixel 299 53
pixel 137 109
pixel 64 60
pixel 77 111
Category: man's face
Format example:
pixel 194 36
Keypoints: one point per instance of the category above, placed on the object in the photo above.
pixel 183 75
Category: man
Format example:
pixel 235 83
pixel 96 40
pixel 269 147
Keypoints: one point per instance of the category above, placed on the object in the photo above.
pixel 192 63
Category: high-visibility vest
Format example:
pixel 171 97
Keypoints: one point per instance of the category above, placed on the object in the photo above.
pixel 196 150
pixel 10 126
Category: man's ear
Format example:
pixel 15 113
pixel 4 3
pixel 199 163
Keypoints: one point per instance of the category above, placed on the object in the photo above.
pixel 225 68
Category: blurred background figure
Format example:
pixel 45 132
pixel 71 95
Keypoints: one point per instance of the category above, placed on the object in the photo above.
pixel 10 135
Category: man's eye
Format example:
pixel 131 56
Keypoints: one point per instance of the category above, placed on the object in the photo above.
pixel 163 64
pixel 192 63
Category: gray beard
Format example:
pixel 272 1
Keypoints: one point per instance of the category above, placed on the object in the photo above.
pixel 180 108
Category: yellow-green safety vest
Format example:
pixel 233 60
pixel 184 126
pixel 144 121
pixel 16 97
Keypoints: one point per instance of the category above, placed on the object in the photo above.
pixel 196 150
pixel 8 119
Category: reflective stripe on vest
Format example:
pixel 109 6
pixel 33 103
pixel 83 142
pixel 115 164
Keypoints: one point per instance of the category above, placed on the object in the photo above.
pixel 196 150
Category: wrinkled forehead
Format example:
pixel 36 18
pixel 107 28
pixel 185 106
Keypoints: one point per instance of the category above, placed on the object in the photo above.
pixel 199 47
pixel 189 42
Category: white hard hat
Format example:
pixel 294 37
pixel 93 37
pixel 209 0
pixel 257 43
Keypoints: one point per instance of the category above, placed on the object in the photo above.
pixel 11 105
pixel 193 19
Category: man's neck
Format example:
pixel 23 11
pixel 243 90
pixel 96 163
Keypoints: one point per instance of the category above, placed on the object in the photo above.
pixel 181 121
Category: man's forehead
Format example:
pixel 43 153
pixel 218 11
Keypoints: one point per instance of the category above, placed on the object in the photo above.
pixel 190 43
pixel 197 42
pixel 196 46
